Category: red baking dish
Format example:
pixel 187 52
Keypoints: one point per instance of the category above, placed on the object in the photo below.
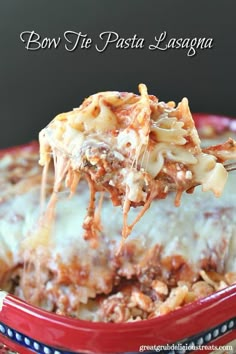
pixel 209 323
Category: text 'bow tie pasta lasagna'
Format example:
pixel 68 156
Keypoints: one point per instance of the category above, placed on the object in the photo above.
pixel 124 159
pixel 133 147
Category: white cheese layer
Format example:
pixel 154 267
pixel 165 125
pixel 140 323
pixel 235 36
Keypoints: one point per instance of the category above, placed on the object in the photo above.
pixel 203 227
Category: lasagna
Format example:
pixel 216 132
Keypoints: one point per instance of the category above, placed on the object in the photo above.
pixel 133 147
pixel 173 256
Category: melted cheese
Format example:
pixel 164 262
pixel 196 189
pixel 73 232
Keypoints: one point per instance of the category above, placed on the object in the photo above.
pixel 132 146
pixel 194 230
pixel 202 231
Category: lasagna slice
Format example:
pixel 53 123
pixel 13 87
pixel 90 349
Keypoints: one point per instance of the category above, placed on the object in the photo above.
pixel 173 256
pixel 134 147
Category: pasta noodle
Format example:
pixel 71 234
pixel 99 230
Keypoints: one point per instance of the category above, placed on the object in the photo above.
pixel 134 147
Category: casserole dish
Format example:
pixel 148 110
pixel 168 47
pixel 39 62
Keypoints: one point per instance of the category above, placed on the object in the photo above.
pixel 209 321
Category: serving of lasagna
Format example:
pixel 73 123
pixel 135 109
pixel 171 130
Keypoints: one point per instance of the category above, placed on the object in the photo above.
pixel 104 236
pixel 133 147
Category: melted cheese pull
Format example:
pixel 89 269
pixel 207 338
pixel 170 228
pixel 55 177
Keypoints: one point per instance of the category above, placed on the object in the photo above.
pixel 133 147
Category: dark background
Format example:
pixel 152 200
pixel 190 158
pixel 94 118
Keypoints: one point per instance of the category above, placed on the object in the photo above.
pixel 36 85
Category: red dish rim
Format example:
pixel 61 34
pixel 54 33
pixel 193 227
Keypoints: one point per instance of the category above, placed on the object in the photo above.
pixel 85 336
pixel 160 330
